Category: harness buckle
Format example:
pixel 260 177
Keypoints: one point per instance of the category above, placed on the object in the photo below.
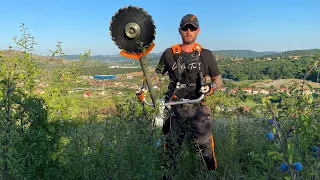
pixel 178 85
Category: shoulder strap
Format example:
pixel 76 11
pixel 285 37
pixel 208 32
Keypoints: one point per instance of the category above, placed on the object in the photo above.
pixel 204 64
pixel 176 49
pixel 197 47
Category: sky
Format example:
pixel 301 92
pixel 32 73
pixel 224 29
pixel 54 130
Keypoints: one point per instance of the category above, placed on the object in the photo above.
pixel 259 25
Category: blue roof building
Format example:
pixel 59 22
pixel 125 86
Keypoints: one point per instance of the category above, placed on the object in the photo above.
pixel 104 77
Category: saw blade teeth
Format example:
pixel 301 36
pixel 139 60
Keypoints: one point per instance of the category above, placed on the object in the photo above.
pixel 120 41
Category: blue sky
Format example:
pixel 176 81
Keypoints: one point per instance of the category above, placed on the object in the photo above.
pixel 260 25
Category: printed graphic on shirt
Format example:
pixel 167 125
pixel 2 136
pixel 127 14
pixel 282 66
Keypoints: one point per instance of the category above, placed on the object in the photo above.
pixel 188 61
pixel 191 66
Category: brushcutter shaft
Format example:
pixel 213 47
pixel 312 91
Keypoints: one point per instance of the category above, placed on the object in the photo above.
pixel 147 78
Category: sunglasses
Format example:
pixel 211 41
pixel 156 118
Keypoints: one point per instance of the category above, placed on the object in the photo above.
pixel 189 26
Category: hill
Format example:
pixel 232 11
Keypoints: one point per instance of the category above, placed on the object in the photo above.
pixel 47 61
pixel 305 52
pixel 224 53
pixel 153 58
pixel 242 53
pixel 117 58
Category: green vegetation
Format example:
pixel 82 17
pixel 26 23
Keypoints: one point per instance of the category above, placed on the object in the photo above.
pixel 58 135
pixel 273 69
pixel 306 52
pixel 241 53
pixel 220 53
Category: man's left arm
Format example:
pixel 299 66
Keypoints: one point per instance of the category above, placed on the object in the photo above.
pixel 218 81
pixel 214 72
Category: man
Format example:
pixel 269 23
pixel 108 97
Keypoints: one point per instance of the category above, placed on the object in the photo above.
pixel 188 65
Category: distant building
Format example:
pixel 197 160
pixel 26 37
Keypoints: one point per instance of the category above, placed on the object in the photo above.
pixel 104 77
pixel 100 93
pixel 247 90
pixel 87 94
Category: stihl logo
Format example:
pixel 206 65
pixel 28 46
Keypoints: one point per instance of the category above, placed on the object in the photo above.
pixel 192 18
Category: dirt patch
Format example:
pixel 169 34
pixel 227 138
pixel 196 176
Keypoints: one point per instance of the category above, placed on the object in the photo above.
pixel 151 70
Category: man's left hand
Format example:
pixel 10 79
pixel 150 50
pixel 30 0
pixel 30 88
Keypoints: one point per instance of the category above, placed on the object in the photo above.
pixel 140 93
pixel 208 89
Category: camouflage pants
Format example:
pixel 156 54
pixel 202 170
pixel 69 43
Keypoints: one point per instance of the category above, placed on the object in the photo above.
pixel 196 120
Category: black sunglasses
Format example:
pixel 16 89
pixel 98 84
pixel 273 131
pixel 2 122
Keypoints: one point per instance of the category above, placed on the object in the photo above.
pixel 189 26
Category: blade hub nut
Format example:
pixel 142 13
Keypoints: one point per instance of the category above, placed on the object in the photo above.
pixel 132 30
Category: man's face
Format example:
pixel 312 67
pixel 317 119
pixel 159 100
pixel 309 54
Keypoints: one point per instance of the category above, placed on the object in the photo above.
pixel 189 33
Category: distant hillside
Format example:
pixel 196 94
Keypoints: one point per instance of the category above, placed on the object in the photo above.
pixel 153 58
pixel 219 53
pixel 46 61
pixel 117 59
pixel 305 52
pixel 97 57
pixel 224 53
pixel 241 53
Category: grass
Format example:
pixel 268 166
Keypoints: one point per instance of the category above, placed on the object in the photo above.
pixel 243 83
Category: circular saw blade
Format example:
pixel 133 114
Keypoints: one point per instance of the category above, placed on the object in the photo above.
pixel 132 30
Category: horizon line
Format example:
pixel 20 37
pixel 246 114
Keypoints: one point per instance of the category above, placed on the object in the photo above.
pixel 77 54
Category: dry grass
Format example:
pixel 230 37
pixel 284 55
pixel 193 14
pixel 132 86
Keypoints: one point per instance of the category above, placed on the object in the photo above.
pixel 285 82
pixel 151 70
pixel 38 58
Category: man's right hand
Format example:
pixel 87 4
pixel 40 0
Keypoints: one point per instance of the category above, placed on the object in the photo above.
pixel 140 93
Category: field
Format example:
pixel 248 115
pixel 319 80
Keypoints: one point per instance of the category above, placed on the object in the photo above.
pixel 285 82
pixel 135 74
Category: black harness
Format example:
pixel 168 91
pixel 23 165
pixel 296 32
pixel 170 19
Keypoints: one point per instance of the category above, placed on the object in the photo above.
pixel 189 76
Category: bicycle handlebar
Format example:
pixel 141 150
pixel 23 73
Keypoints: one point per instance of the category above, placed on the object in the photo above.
pixel 175 103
